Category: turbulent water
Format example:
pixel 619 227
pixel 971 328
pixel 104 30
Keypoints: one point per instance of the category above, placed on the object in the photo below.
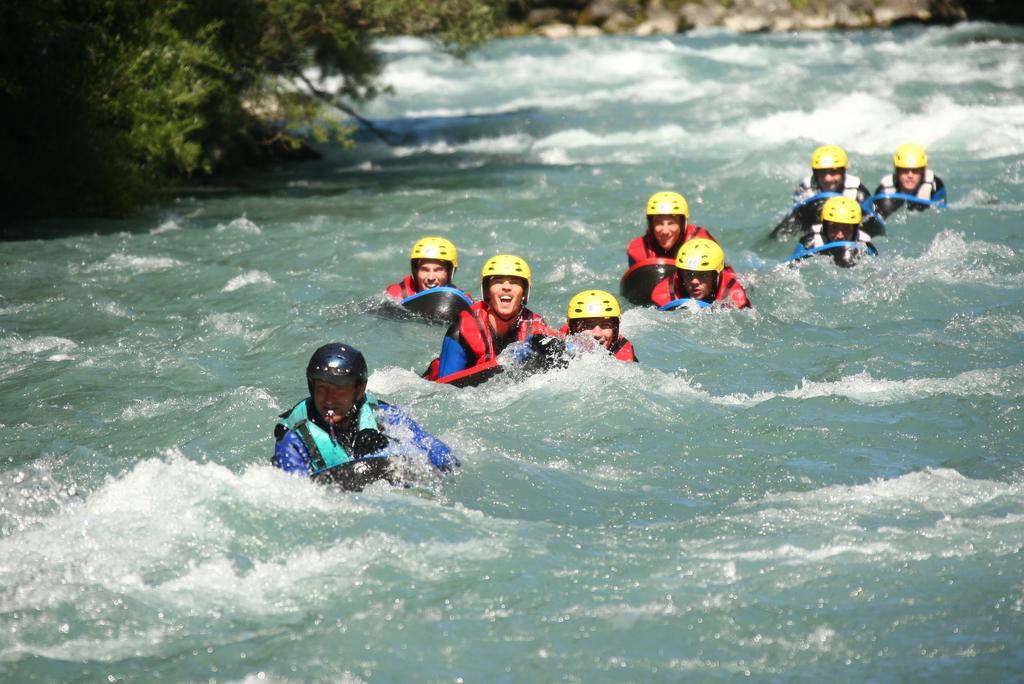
pixel 828 486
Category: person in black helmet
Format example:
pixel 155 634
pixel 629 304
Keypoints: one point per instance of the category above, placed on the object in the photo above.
pixel 340 422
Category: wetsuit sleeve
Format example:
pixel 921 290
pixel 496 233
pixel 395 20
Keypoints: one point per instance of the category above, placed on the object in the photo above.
pixel 884 207
pixel 454 356
pixel 291 455
pixel 862 193
pixel 937 187
pixel 439 454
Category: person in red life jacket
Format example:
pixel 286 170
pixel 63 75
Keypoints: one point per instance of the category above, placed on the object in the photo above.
pixel 667 229
pixel 433 262
pixel 701 274
pixel 597 313
pixel 498 320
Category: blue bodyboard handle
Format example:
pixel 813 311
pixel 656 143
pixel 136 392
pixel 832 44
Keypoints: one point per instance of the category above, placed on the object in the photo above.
pixel 937 200
pixel 800 252
pixel 434 291
pixel 676 303
pixel 824 194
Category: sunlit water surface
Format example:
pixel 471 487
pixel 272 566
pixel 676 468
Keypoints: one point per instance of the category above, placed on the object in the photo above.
pixel 829 486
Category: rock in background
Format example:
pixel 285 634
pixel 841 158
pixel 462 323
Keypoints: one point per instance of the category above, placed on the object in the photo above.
pixel 565 18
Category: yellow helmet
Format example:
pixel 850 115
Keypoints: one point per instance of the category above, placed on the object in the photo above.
pixel 668 203
pixel 437 248
pixel 829 157
pixel 593 304
pixel 505 265
pixel 700 254
pixel 910 156
pixel 841 210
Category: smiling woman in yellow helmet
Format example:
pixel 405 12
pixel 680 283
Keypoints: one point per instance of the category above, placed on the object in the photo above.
pixel 498 320
pixel 701 273
pixel 597 313
pixel 667 228
pixel 912 179
pixel 829 177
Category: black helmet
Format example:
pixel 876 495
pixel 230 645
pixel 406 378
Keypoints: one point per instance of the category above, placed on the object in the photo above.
pixel 336 364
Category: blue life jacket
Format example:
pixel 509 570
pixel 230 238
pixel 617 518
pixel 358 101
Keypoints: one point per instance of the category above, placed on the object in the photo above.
pixel 324 452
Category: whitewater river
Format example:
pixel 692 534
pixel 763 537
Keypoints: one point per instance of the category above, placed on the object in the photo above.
pixel 827 487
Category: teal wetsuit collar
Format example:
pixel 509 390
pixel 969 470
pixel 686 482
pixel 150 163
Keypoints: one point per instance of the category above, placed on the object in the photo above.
pixel 324 452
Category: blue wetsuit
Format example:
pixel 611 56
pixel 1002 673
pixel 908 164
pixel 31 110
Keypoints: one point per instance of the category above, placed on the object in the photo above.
pixel 292 456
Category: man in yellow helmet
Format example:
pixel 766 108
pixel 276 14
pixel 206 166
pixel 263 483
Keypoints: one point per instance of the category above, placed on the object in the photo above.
pixel 667 228
pixel 433 262
pixel 911 183
pixel 829 178
pixel 498 320
pixel 840 227
pixel 701 274
pixel 597 313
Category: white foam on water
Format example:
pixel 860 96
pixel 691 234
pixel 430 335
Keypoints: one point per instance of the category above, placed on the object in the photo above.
pixel 976 197
pixel 997 325
pixel 941 490
pixel 134 264
pixel 826 525
pixel 167 226
pixel 791 553
pixel 144 409
pixel 240 225
pixel 404 44
pixel 863 388
pixel 16 309
pixel 150 408
pixel 949 259
pixel 163 534
pixel 16 344
pixel 112 308
pixel 845 121
pixel 555 157
pixel 411 80
pixel 234 324
pixel 246 279
pixel 502 144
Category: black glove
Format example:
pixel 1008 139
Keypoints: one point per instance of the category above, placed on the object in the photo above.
pixel 548 353
pixel 368 441
pixel 844 256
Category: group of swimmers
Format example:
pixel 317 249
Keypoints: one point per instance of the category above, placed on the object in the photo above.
pixel 334 433
pixel 834 212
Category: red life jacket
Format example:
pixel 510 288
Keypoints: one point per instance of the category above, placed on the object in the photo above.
pixel 399 291
pixel 729 286
pixel 476 333
pixel 646 247
pixel 622 349
pixel 407 288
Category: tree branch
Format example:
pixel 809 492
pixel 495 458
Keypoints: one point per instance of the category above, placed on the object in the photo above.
pixel 386 136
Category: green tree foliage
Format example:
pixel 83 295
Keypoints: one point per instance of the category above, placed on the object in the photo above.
pixel 107 102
